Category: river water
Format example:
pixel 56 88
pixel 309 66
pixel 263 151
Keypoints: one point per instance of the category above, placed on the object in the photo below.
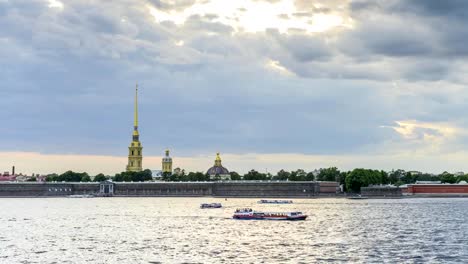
pixel 175 230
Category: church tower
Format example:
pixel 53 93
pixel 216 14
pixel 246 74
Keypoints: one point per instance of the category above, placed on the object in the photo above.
pixel 135 154
pixel 167 163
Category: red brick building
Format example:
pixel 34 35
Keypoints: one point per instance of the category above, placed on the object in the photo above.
pixel 436 189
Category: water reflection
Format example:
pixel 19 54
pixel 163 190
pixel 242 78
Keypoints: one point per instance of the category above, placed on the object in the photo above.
pixel 175 230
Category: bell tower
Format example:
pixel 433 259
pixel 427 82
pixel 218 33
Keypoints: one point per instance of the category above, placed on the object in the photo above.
pixel 135 154
pixel 167 163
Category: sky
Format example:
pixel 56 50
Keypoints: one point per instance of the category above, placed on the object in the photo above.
pixel 270 84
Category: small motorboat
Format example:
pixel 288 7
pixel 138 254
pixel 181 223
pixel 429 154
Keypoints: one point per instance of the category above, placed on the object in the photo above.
pixel 275 202
pixel 358 197
pixel 210 205
pixel 249 214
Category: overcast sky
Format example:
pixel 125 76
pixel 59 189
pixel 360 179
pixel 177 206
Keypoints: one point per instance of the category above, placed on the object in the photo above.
pixel 270 84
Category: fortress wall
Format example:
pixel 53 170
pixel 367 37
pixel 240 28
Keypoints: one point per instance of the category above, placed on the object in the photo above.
pixel 85 188
pixel 35 189
pixel 328 187
pixel 381 191
pixel 230 189
pixel 266 189
pixel 163 189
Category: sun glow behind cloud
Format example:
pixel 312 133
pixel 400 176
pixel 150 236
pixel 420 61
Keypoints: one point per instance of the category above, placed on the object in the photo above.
pixel 55 4
pixel 255 16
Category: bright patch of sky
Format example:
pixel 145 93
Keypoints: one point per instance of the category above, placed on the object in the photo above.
pixel 55 4
pixel 256 16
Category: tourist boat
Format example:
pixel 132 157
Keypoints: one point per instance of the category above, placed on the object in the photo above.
pixel 210 205
pixel 249 214
pixel 81 196
pixel 275 202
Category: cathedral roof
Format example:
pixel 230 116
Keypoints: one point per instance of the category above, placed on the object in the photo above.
pixel 217 168
pixel 220 170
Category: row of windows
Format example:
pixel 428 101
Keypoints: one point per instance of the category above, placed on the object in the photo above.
pixel 59 189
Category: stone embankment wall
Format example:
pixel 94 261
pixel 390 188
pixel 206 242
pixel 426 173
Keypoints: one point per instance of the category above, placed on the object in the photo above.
pixel 163 189
pixel 381 191
pixel 221 189
pixel 267 189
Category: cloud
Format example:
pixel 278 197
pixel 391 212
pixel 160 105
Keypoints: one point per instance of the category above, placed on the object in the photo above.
pixel 315 78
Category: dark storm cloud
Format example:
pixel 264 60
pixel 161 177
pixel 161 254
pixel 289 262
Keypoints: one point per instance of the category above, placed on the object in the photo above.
pixel 445 20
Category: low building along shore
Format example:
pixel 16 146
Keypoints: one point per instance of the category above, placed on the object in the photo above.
pixel 220 189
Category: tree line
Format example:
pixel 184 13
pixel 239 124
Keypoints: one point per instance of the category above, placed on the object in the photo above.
pixel 127 176
pixel 352 181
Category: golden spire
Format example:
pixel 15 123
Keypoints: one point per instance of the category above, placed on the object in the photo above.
pixel 136 107
pixel 136 135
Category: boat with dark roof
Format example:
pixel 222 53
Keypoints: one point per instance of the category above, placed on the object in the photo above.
pixel 250 214
pixel 210 205
pixel 275 202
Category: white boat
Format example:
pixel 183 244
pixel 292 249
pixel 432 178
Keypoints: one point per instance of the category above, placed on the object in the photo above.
pixel 249 214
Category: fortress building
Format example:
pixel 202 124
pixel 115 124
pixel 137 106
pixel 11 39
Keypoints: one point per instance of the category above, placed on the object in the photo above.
pixel 135 154
pixel 167 163
pixel 218 170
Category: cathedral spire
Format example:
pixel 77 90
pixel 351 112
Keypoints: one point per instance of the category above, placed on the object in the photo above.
pixel 136 107
pixel 136 135
pixel 135 153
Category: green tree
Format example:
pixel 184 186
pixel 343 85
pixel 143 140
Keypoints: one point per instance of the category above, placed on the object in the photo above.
pixel 235 176
pixel 328 174
pixel 396 175
pixel 342 177
pixel 100 177
pixel 85 177
pixel 51 177
pixel 254 175
pixel 362 178
pixel 462 178
pixel 310 176
pixel 408 178
pixel 32 179
pixel 298 175
pixel 385 179
pixel 282 175
pixel 448 178
pixel 166 176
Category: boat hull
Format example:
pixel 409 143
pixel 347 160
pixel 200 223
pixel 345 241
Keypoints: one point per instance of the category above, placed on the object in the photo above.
pixel 253 217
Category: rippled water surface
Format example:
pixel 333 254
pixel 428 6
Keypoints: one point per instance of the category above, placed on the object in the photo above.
pixel 175 230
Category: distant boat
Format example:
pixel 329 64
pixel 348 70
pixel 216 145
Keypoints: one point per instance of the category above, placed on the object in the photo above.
pixel 81 196
pixel 358 197
pixel 210 205
pixel 275 202
pixel 249 214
